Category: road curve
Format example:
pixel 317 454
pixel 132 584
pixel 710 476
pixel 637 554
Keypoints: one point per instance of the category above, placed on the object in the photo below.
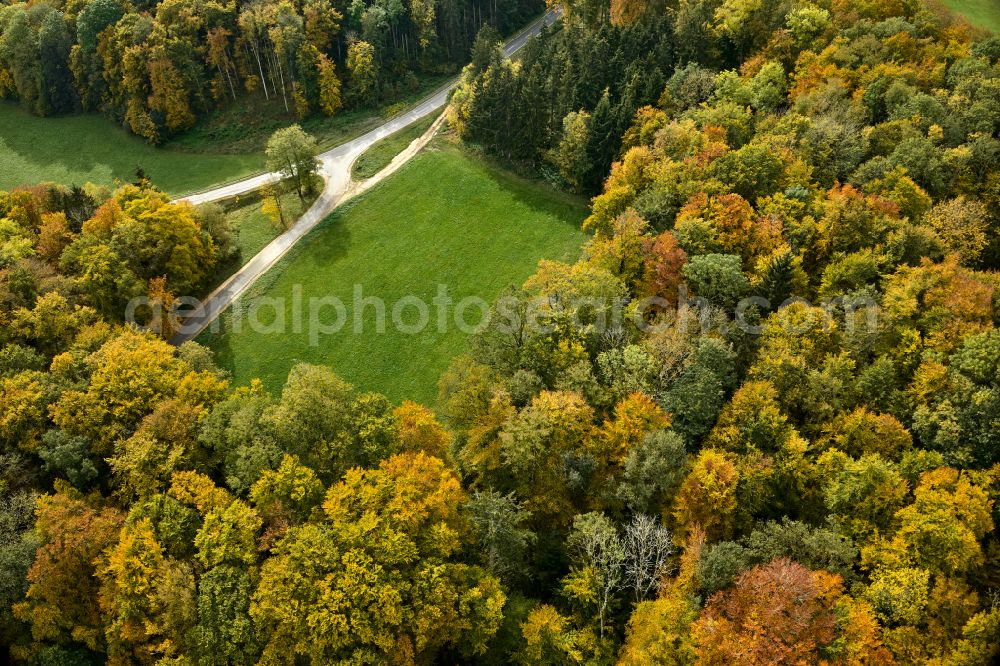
pixel 335 168
pixel 360 144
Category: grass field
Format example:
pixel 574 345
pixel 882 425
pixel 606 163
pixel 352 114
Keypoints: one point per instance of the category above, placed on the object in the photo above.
pixel 89 148
pixel 381 154
pixel 982 13
pixel 446 218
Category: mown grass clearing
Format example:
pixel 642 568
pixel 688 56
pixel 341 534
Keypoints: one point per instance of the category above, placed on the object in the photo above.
pixel 88 148
pixel 982 13
pixel 382 153
pixel 446 218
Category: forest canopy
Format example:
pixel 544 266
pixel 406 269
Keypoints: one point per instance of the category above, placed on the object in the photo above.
pixel 792 457
pixel 157 67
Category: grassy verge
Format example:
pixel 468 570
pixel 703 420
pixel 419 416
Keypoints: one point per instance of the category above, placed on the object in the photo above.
pixel 252 230
pixel 382 153
pixel 446 218
pixel 982 13
pixel 88 148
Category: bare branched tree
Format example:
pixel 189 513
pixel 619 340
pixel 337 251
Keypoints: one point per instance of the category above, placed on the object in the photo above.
pixel 648 547
pixel 596 544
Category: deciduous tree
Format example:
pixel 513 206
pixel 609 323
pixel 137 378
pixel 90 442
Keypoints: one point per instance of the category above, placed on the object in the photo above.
pixel 707 496
pixel 329 87
pixel 361 65
pixel 778 613
pixel 62 600
pixel 378 576
pixel 292 153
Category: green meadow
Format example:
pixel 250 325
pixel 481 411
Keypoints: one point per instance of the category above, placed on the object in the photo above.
pixel 447 218
pixel 982 13
pixel 74 150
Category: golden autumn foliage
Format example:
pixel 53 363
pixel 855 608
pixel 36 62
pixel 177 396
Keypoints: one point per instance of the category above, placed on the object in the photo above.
pixel 779 613
pixel 757 421
pixel 707 496
pixel 660 631
pixel 419 431
pixel 130 374
pixel 634 417
pixel 62 600
pixel 378 575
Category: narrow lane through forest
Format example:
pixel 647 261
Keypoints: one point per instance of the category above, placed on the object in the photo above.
pixel 335 169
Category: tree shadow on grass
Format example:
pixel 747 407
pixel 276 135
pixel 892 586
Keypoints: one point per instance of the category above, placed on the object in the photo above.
pixel 331 241
pixel 534 194
pixel 316 248
pixel 57 141
pixel 91 147
pixel 221 346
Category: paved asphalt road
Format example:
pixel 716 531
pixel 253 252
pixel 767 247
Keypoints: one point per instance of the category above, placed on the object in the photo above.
pixel 335 167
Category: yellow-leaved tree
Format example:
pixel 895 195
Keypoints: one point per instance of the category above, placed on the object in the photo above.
pixel 379 577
